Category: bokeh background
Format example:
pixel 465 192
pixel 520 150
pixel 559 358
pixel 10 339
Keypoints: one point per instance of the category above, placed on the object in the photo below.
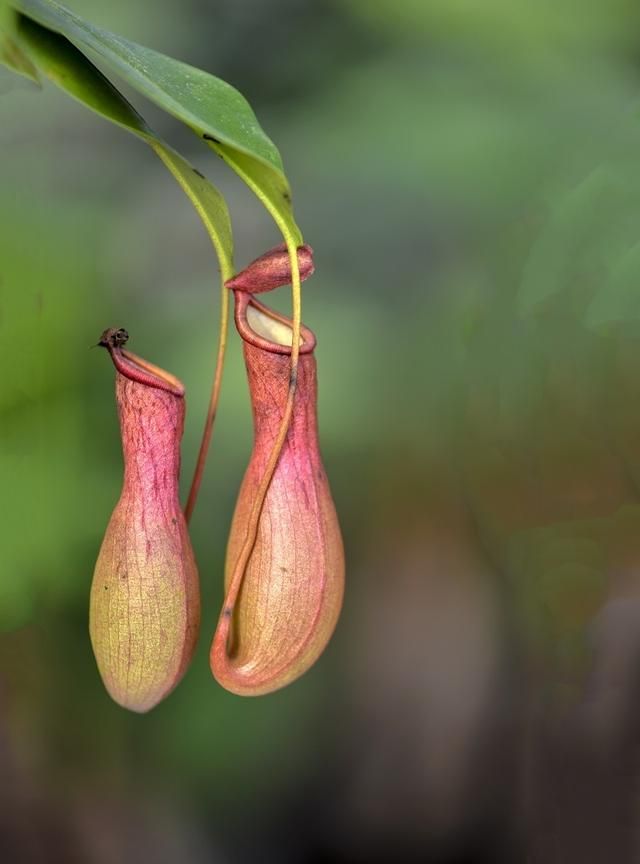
pixel 469 176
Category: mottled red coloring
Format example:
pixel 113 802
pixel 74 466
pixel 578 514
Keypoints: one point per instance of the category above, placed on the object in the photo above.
pixel 291 593
pixel 145 605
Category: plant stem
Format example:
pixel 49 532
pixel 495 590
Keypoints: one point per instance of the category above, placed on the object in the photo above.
pixel 293 239
pixel 213 405
pixel 258 502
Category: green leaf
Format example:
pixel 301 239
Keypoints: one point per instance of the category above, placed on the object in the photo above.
pixel 66 66
pixel 215 110
pixel 10 53
pixel 199 99
pixel 262 181
pixel 63 64
pixel 208 202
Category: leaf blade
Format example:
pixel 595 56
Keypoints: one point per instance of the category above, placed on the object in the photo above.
pixel 11 55
pixel 65 65
pixel 213 109
pixel 180 89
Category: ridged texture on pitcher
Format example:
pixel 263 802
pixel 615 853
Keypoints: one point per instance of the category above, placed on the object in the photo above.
pixel 145 605
pixel 280 612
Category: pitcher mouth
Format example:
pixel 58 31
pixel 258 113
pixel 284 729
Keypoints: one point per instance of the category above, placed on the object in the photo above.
pixel 135 368
pixel 265 328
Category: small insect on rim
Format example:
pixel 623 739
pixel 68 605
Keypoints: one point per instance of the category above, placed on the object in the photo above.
pixel 114 337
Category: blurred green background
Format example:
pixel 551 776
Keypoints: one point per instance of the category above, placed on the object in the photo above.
pixel 469 177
